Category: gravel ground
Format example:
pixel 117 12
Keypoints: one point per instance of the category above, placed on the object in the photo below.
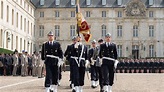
pixel 123 83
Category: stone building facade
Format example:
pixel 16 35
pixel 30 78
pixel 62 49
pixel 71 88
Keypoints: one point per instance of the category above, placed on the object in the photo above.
pixel 17 25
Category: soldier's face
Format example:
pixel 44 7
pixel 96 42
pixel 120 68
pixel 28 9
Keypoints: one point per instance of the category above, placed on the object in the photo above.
pixel 51 37
pixel 78 39
pixel 108 39
pixel 93 44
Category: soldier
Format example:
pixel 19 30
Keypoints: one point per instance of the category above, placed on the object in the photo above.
pixel 67 56
pixel 15 63
pixel 98 65
pixel 34 62
pixel 108 56
pixel 92 57
pixel 79 62
pixel 24 62
pixel 53 55
pixel 39 65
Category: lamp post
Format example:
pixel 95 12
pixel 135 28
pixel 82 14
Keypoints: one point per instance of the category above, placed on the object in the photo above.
pixel 8 38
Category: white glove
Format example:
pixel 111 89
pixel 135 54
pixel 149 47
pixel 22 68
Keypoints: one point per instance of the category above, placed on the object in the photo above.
pixel 39 65
pixel 86 63
pixel 77 44
pixel 22 64
pixel 115 63
pixel 100 61
pixel 15 65
pixel 60 62
pixel 92 61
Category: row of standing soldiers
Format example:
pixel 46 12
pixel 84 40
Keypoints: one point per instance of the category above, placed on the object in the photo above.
pixel 140 66
pixel 21 64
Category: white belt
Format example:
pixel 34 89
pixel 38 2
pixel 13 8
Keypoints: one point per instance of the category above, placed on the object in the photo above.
pixel 108 58
pixel 52 56
pixel 78 63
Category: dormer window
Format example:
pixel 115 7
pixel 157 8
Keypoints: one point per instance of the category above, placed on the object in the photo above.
pixel 57 2
pixel 88 2
pixel 72 2
pixel 151 2
pixel 103 2
pixel 41 2
pixel 119 2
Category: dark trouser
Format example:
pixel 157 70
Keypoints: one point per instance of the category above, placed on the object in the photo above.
pixel 99 70
pixel 94 73
pixel 51 75
pixel 60 73
pixel 79 73
pixel 30 70
pixel 71 74
pixel 1 70
pixel 108 73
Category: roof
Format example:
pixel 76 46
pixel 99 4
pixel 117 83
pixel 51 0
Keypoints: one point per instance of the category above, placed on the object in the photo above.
pixel 94 4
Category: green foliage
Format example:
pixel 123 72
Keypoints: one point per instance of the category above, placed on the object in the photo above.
pixel 5 51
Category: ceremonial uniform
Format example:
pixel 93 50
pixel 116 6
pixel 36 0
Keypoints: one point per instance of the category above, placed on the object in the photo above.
pixel 78 59
pixel 52 54
pixel 34 66
pixel 108 54
pixel 67 55
pixel 92 57
pixel 39 65
pixel 24 63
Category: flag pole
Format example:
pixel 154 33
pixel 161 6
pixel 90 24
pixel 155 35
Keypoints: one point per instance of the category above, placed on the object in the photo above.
pixel 78 17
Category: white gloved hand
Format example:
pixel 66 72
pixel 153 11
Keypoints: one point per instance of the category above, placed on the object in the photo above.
pixel 77 44
pixel 86 63
pixel 100 61
pixel 15 65
pixel 60 62
pixel 22 64
pixel 92 61
pixel 115 63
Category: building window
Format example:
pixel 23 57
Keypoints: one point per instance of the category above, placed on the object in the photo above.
pixel 28 27
pixel 57 30
pixel 151 31
pixel 21 45
pixel 12 17
pixel 72 30
pixel 88 2
pixel 41 31
pixel 151 14
pixel 21 22
pixel 119 31
pixel 56 13
pixel 41 2
pixel 88 14
pixel 151 50
pixel 17 20
pixel 24 24
pixel 151 2
pixel 119 50
pixel 135 31
pixel 7 19
pixel 72 2
pixel 41 14
pixel 72 13
pixel 1 9
pixel 119 14
pixel 103 13
pixel 103 27
pixel 119 2
pixel 57 2
pixel 103 2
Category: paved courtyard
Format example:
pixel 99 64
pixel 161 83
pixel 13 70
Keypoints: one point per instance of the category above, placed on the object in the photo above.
pixel 123 83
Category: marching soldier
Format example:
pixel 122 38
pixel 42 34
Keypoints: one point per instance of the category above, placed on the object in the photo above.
pixel 67 56
pixel 98 66
pixel 34 62
pixel 92 57
pixel 15 62
pixel 79 62
pixel 53 55
pixel 108 56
